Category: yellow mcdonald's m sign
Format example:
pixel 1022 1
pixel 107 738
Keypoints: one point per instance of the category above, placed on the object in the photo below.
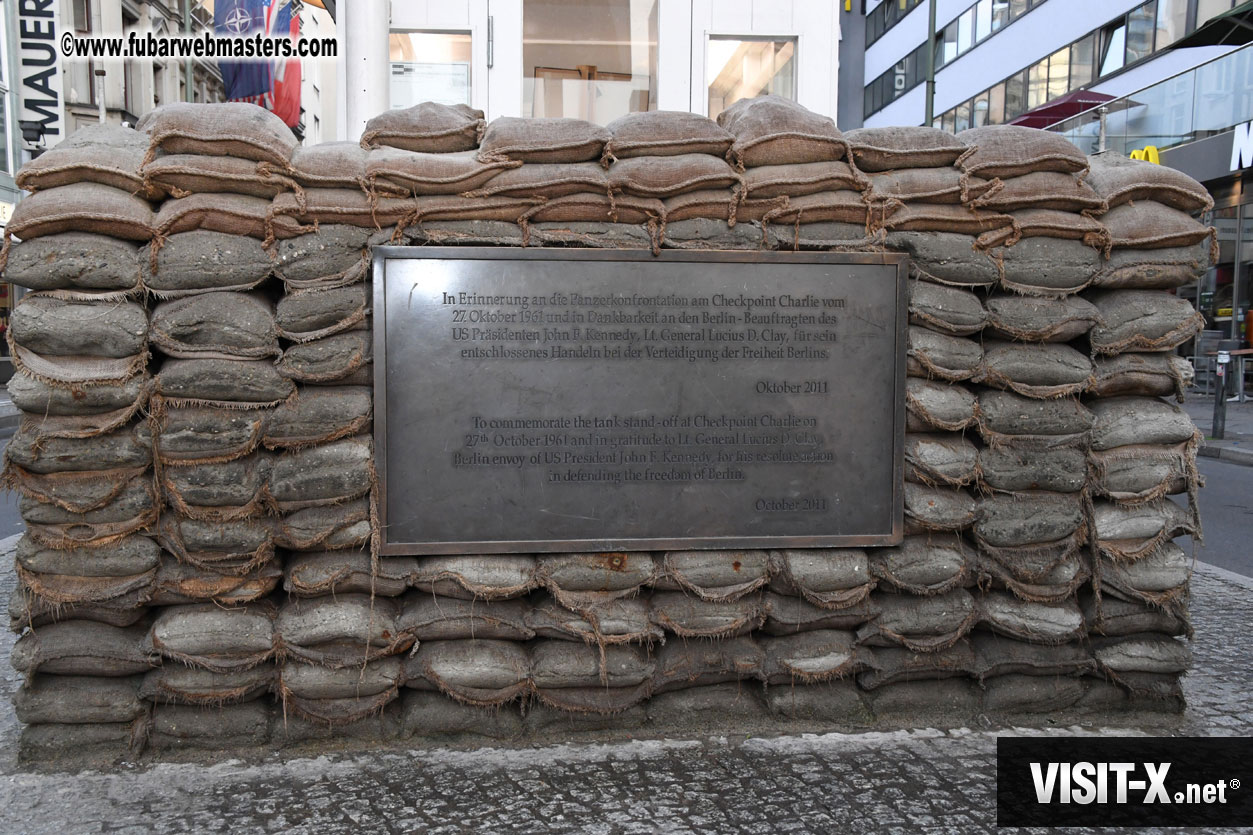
pixel 1148 153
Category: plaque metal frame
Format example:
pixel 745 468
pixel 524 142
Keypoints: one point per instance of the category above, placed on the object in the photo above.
pixel 382 254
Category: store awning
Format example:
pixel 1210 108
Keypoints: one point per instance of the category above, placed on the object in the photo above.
pixel 1233 28
pixel 1059 109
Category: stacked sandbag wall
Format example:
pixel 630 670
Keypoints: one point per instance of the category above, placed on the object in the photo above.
pixel 196 467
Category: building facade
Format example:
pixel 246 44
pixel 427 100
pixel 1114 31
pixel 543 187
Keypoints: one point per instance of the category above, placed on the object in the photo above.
pixel 593 59
pixel 998 59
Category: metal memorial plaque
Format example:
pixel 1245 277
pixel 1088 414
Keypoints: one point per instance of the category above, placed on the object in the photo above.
pixel 584 400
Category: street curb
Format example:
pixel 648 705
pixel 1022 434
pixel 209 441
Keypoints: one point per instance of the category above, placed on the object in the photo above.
pixel 1230 454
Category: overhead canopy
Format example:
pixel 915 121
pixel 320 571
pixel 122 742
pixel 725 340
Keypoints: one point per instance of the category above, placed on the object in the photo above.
pixel 1059 109
pixel 1232 28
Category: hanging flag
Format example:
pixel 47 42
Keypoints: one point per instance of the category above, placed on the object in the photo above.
pixel 239 18
pixel 285 89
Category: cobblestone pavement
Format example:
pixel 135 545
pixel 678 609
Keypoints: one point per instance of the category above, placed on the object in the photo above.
pixel 933 780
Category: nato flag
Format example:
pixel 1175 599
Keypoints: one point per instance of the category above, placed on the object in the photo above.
pixel 239 18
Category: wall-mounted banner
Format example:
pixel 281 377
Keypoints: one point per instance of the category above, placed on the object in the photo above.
pixel 580 400
pixel 39 67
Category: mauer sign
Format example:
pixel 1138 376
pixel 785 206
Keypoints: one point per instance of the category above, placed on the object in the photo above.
pixel 578 400
pixel 39 69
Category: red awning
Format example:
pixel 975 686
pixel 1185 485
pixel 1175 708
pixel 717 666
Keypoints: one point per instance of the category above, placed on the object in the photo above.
pixel 1062 108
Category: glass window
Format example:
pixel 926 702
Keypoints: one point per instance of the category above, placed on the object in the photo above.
pixel 1037 84
pixel 4 132
pixel 594 61
pixel 949 121
pixel 1172 20
pixel 996 105
pixel 1205 9
pixel 966 31
pixel 1015 96
pixel 1000 14
pixel 948 46
pixel 741 68
pixel 983 20
pixel 429 66
pixel 1112 41
pixel 1141 23
pixel 1082 62
pixel 1059 73
pixel 979 110
pixel 961 119
pixel 1017 8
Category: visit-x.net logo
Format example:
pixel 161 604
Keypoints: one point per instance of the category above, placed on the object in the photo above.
pixel 1123 781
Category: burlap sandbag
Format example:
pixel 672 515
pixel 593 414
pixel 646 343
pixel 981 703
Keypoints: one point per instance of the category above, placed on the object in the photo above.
pixel 484 577
pixel 231 214
pixel 570 577
pixel 340 631
pixel 182 174
pixel 75 261
pixel 306 315
pixel 945 309
pixel 178 684
pixel 191 435
pixel 419 173
pixel 179 584
pixel 482 673
pixel 1048 223
pixel 1153 269
pixel 671 175
pixel 940 459
pixel 318 415
pixel 944 258
pixel 713 575
pixel 87 575
pixel 1119 179
pixel 942 509
pixel 542 140
pixel 930 185
pixel 56 328
pixel 923 565
pixel 43 400
pixel 220 491
pixel 127 448
pixel 802 178
pixel 328 527
pixel 208 636
pixel 228 129
pixel 613 621
pixel 1138 420
pixel 334 256
pixel 682 665
pixel 787 615
pixel 1142 320
pixel 1154 375
pixel 83 648
pixel 1047 267
pixel 691 617
pixel 1012 470
pixel 180 727
pixel 932 355
pixel 218 382
pixel 1040 320
pixel 318 573
pixel 327 359
pixel 290 215
pixel 811 657
pixel 1028 518
pixel 664 133
pixel 922 624
pixel 836 206
pixel 82 207
pixel 772 130
pixel 427 127
pixel 107 154
pixel 1148 225
pixel 432 618
pixel 1042 623
pixel 546 180
pixel 1045 370
pixel 1143 472
pixel 1114 616
pixel 720 205
pixel 1012 151
pixel 891 148
pixel 961 220
pixel 1005 417
pixel 331 473
pixel 221 325
pixel 933 406
pixel 202 261
pixel 1042 190
pixel 329 165
pixel 29 610
pixel 830 578
pixel 79 700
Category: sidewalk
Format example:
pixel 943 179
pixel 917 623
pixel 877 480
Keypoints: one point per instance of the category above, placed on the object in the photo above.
pixel 1237 443
pixel 906 781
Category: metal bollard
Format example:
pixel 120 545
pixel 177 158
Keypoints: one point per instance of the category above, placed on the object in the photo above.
pixel 1220 396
